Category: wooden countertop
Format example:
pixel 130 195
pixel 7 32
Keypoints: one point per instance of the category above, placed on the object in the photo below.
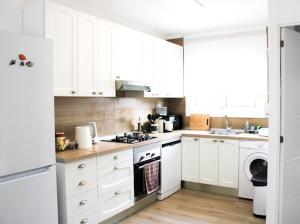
pixel 104 148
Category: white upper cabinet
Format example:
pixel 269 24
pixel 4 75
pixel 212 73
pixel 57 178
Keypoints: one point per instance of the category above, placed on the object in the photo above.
pixel 173 70
pixel 106 58
pixel 228 163
pixel 61 27
pixel 87 55
pixel 129 45
pixel 190 159
pixel 209 164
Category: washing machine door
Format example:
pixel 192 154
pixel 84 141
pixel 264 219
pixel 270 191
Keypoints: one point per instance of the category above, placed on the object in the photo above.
pixel 256 164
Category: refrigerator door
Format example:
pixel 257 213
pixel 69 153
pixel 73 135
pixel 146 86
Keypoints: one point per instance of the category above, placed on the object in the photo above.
pixel 26 104
pixel 29 197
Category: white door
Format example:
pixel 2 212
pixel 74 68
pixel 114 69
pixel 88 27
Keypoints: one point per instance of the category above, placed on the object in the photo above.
pixel 87 55
pixel 27 107
pixel 228 163
pixel 190 159
pixel 173 70
pixel 128 54
pixel 29 197
pixel 209 161
pixel 289 205
pixel 61 27
pixel 157 83
pixel 106 58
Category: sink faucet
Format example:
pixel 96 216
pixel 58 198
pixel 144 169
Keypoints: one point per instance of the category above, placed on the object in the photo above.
pixel 227 128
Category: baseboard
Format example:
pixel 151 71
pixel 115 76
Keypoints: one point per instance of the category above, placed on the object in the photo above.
pixel 211 189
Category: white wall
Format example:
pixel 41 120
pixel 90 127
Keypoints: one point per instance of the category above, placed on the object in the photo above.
pixel 227 74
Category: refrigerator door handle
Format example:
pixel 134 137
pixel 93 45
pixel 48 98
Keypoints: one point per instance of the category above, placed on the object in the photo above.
pixel 24 174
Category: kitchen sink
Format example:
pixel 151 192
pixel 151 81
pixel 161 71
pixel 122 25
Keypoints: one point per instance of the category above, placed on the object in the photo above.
pixel 223 132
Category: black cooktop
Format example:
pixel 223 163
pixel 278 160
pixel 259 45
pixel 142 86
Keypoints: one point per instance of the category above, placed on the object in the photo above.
pixel 130 138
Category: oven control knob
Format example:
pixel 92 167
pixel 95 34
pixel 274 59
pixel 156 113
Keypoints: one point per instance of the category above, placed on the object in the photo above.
pixel 142 157
pixel 152 155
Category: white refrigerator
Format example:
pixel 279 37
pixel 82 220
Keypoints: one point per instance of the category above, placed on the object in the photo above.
pixel 27 152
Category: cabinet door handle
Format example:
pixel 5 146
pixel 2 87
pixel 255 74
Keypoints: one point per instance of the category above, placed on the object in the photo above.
pixel 83 202
pixel 84 221
pixel 100 93
pixel 214 140
pixel 117 77
pixel 222 141
pixel 116 157
pixel 196 139
pixel 81 166
pixel 94 93
pixel 82 183
pixel 116 168
pixel 73 92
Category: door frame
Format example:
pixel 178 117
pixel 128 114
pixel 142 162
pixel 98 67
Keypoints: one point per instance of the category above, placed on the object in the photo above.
pixel 274 181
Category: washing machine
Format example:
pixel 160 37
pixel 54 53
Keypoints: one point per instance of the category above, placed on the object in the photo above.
pixel 253 160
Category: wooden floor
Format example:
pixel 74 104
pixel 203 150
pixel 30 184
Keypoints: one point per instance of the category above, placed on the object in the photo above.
pixel 188 206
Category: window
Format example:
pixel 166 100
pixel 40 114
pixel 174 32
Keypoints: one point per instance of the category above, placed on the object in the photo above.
pixel 227 75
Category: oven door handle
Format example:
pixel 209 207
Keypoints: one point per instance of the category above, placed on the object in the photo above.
pixel 141 167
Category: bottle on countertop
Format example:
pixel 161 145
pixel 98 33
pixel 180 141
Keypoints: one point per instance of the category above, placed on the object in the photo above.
pixel 139 125
pixel 247 126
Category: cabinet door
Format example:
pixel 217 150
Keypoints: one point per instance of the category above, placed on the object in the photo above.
pixel 228 163
pixel 87 55
pixel 61 27
pixel 209 161
pixel 173 70
pixel 106 58
pixel 190 159
pixel 157 84
pixel 128 54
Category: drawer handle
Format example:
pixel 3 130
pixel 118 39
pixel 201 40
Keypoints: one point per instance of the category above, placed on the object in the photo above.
pixel 84 221
pixel 116 157
pixel 83 202
pixel 81 166
pixel 116 168
pixel 222 141
pixel 82 183
pixel 196 139
pixel 214 140
pixel 117 193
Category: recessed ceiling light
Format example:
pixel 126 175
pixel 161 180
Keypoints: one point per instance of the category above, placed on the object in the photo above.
pixel 199 3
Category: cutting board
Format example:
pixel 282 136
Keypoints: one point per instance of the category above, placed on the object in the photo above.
pixel 200 122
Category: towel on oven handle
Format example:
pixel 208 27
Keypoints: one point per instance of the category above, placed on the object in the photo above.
pixel 151 176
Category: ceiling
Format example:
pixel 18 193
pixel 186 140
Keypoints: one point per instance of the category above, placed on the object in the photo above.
pixel 180 17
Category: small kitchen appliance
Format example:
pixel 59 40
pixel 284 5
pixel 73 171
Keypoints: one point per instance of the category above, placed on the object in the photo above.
pixel 83 137
pixel 93 131
pixel 177 121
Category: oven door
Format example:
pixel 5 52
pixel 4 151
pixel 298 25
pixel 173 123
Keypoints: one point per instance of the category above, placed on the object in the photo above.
pixel 139 180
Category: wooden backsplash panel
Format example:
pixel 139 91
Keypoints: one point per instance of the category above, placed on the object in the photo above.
pixel 177 106
pixel 112 115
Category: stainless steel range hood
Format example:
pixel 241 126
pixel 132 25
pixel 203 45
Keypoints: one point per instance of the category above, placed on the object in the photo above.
pixel 131 88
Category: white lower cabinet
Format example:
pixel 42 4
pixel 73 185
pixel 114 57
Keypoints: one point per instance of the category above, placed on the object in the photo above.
pixel 229 163
pixel 209 164
pixel 77 192
pixel 95 189
pixel 115 201
pixel 115 183
pixel 190 159
pixel 210 161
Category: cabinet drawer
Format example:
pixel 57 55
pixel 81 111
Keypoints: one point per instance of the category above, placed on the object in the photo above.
pixel 115 201
pixel 114 158
pixel 80 184
pixel 81 203
pixel 89 217
pixel 81 167
pixel 112 177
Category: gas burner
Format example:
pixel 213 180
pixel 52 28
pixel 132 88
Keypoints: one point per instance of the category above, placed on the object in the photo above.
pixel 131 138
